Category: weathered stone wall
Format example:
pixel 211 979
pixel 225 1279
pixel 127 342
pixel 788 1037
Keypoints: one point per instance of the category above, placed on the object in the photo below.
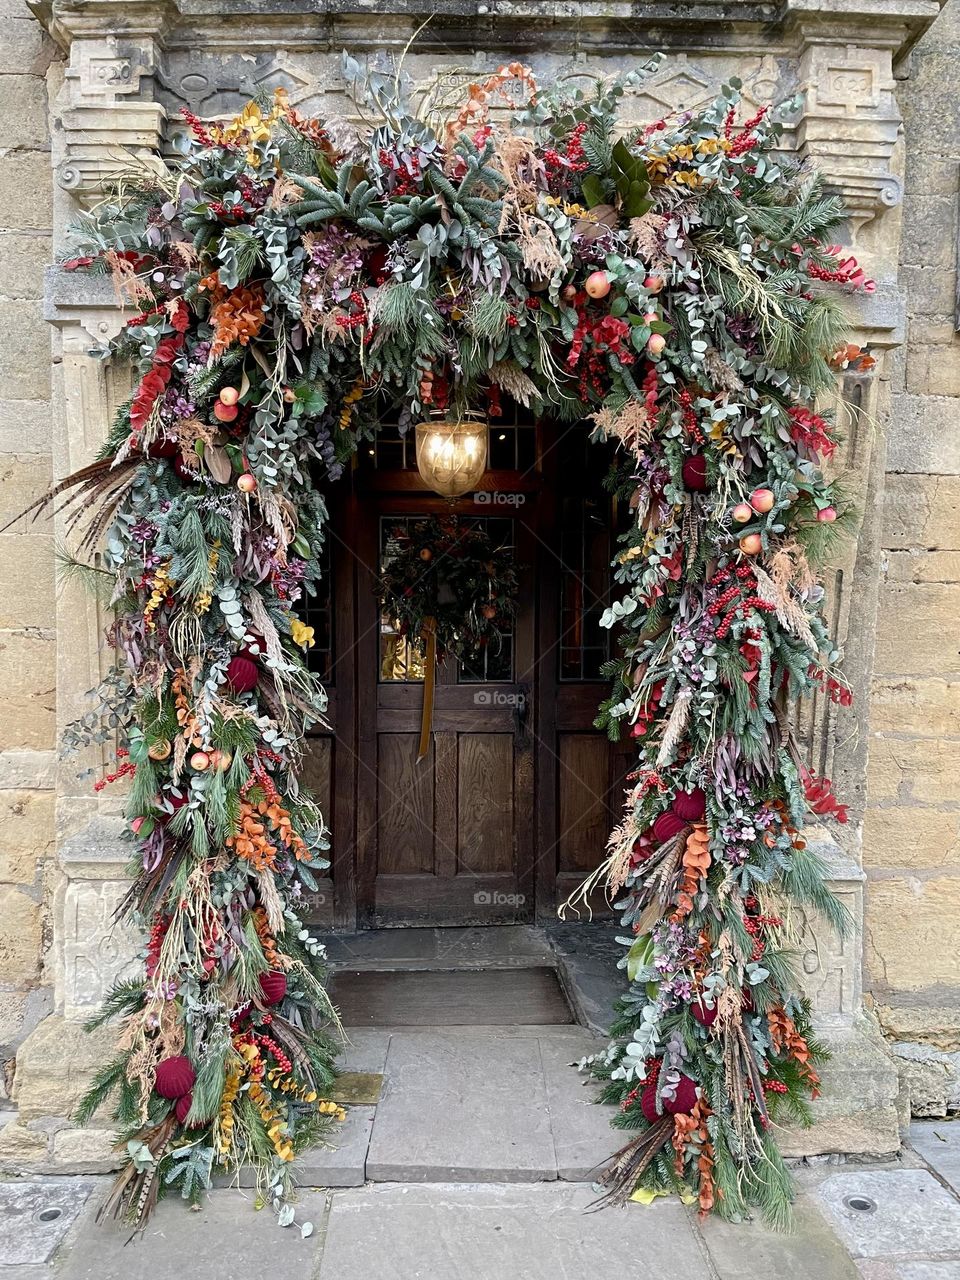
pixel 911 839
pixel 28 867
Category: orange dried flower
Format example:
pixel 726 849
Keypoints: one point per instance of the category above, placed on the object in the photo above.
pixel 235 314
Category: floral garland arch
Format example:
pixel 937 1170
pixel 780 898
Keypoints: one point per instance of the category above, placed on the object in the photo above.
pixel 298 280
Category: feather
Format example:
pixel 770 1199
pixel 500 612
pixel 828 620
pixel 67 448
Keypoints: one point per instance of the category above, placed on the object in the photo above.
pixel 621 1175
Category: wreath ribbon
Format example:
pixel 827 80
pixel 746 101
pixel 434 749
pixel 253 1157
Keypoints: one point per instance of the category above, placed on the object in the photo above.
pixel 429 635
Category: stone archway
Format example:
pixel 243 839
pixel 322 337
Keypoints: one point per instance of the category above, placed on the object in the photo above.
pixel 119 91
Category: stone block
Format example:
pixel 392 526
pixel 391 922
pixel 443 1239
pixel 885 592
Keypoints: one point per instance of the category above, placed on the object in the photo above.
pixel 25 427
pixel 22 263
pixel 929 223
pixel 29 770
pixel 28 677
pixel 922 566
pixel 85 1151
pixel 911 837
pixel 910 770
pixel 23 112
pixel 21 1148
pixel 911 932
pixel 857 1112
pixel 929 706
pixel 24 350
pixel 929 173
pixel 341 1161
pixel 23 479
pixel 27 589
pixel 921 511
pixel 26 191
pixel 97 951
pixel 923 436
pixel 936 1025
pixel 929 1079
pixel 933 370
pixel 927 613
pixel 26 833
pixel 24 46
pixel 20 935
pixel 928 290
pixel 55 1065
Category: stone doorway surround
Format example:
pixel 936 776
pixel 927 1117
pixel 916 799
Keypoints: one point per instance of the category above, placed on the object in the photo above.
pixel 129 67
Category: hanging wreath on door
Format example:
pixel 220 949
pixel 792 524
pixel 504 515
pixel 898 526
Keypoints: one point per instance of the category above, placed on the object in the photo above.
pixel 447 584
pixel 450 576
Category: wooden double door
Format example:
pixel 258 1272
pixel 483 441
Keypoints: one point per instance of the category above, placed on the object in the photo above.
pixel 512 805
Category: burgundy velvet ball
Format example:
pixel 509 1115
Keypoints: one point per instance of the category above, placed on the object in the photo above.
pixel 175 1077
pixel 694 472
pixel 182 1110
pixel 691 806
pixel 163 448
pixel 183 471
pixel 242 674
pixel 648 1104
pixel 667 826
pixel 273 985
pixel 684 1100
pixel 702 1012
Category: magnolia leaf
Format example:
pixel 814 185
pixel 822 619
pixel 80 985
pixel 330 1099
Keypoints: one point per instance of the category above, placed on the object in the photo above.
pixel 218 463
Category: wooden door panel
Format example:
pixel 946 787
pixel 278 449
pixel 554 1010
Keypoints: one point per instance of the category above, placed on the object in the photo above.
pixel 485 802
pixel 584 800
pixel 405 805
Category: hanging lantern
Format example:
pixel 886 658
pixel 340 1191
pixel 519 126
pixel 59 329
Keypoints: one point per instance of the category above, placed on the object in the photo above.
pixel 452 452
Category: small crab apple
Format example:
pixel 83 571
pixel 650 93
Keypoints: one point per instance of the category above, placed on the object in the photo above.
pixel 650 317
pixel 200 761
pixel 655 344
pixel 750 544
pixel 827 515
pixel 597 284
pixel 762 500
pixel 221 760
pixel 224 412
pixel 229 395
pixel 654 283
pixel 568 293
pixel 247 482
pixel 742 512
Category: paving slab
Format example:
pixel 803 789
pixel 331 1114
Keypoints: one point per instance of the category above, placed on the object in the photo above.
pixel 912 1214
pixel 36 1216
pixel 582 1136
pixel 456 1108
pixel 909 1270
pixel 503 1233
pixel 812 1250
pixel 224 1237
pixel 365 1049
pixel 342 1163
pixel 938 1141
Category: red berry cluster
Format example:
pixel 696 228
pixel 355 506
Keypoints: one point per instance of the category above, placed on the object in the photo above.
pixel 283 1062
pixel 572 159
pixel 158 931
pixel 407 173
pixel 774 1086
pixel 127 770
pixel 688 417
pixel 197 128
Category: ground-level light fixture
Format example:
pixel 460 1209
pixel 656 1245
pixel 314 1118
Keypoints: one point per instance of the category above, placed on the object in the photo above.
pixel 452 451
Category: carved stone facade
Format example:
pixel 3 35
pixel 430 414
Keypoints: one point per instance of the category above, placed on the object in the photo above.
pixel 120 74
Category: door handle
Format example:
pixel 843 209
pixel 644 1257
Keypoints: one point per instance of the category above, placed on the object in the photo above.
pixel 520 709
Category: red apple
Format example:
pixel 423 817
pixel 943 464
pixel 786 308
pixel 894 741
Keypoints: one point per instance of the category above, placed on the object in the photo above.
pixel 750 544
pixel 229 395
pixel 247 482
pixel 598 284
pixel 742 513
pixel 762 501
pixel 654 283
pixel 224 412
pixel 200 761
pixel 655 344
pixel 827 515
